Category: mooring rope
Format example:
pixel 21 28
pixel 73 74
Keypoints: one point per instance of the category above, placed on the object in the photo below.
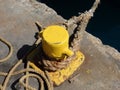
pixel 42 78
pixel 10 49
pixel 81 21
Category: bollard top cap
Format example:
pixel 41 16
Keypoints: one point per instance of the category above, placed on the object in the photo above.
pixel 55 34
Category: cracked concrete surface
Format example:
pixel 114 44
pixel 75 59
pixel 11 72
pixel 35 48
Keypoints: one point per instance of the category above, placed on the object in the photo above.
pixel 101 69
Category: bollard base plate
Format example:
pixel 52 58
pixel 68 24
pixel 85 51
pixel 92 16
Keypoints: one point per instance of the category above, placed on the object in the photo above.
pixel 60 76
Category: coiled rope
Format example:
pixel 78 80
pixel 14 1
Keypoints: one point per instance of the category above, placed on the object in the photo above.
pixel 81 21
pixel 43 79
pixel 10 49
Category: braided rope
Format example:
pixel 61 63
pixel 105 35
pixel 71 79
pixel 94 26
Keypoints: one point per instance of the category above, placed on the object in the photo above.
pixel 52 65
pixel 81 21
pixel 29 73
pixel 10 49
pixel 7 57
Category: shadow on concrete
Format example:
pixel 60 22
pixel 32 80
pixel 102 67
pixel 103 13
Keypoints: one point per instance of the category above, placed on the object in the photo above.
pixel 15 85
pixel 22 51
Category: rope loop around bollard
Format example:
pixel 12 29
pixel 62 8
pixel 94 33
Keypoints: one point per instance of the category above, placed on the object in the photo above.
pixel 83 20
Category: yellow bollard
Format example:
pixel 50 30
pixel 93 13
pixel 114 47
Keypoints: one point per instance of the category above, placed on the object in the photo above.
pixel 55 42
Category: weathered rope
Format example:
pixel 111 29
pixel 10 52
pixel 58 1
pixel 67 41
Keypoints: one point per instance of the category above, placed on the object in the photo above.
pixel 42 78
pixel 27 78
pixel 51 65
pixel 7 57
pixel 35 74
pixel 10 74
pixel 81 21
pixel 10 49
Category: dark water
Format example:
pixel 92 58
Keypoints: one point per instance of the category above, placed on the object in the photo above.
pixel 105 24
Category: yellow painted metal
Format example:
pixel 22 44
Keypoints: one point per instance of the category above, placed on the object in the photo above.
pixel 60 76
pixel 55 42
